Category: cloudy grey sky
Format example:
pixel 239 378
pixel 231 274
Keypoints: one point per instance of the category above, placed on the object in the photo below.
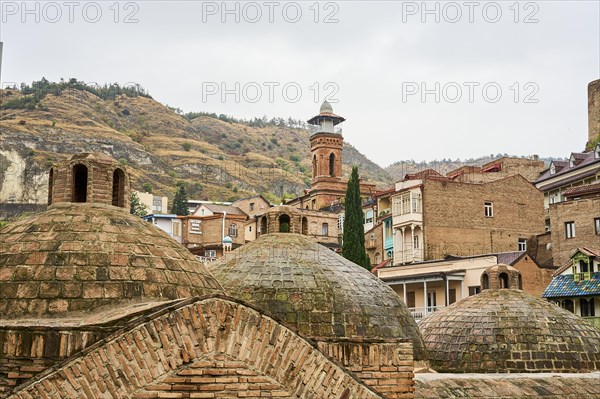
pixel 415 80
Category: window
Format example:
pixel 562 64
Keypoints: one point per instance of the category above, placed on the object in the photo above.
pixel 587 307
pixel 410 299
pixel 416 203
pixel 451 295
pixel 332 165
pixel 416 242
pixel 503 277
pixel 474 290
pixel 118 189
pixel 157 205
pixel 485 281
pixel 597 226
pixel 522 244
pixel 552 168
pixel 176 226
pixel 570 229
pixel 488 209
pixel 252 206
pixel 341 222
pixel 50 185
pixel 232 230
pixel 325 229
pixel 405 199
pixel 250 229
pixel 210 253
pixel 568 305
pixel 284 224
pixel 597 152
pixel 369 216
pixel 80 180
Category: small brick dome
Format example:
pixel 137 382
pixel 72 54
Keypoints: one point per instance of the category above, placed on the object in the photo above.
pixel 507 330
pixel 316 291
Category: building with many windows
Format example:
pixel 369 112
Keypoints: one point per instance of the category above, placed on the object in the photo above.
pixel 434 216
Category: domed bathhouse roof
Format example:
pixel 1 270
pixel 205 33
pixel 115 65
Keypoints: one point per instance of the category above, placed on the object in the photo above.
pixel 86 251
pixel 318 292
pixel 507 330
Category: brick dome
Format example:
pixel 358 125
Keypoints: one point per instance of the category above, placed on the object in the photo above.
pixel 507 330
pixel 86 251
pixel 78 257
pixel 316 291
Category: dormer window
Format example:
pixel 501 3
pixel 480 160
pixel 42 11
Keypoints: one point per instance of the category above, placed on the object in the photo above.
pixel 597 151
pixel 572 161
pixel 552 168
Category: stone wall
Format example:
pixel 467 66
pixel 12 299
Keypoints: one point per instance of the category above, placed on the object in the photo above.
pixel 582 212
pixel 211 348
pixel 387 367
pixel 441 386
pixel 454 222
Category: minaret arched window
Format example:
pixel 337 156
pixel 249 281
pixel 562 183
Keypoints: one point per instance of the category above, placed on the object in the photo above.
pixel 118 189
pixel 80 183
pixel 50 184
pixel 314 166
pixel 332 165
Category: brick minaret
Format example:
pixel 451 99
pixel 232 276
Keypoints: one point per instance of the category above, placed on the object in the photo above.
pixel 593 110
pixel 326 143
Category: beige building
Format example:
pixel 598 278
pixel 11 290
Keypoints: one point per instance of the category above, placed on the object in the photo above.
pixel 154 204
pixel 429 286
pixel 434 216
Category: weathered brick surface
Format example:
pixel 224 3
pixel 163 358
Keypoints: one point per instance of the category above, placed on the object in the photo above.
pixel 386 366
pixel 316 291
pixel 212 348
pixel 582 212
pixel 474 386
pixel 454 221
pixel 78 257
pixel 509 331
pixel 99 188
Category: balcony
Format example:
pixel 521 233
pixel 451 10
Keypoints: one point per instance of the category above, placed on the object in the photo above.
pixel 370 244
pixel 407 218
pixel 313 129
pixel 420 313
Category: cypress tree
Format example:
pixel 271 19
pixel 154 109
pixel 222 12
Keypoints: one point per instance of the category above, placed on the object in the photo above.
pixel 180 205
pixel 353 246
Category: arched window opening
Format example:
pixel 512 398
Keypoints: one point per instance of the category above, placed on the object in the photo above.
pixel 80 182
pixel 263 225
pixel 520 282
pixel 304 226
pixel 332 165
pixel 503 277
pixel 118 189
pixel 50 185
pixel 284 224
pixel 485 281
pixel 567 304
pixel 314 166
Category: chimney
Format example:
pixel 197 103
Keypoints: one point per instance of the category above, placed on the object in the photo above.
pixel 593 110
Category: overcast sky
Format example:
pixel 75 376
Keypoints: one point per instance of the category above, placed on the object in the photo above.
pixel 509 77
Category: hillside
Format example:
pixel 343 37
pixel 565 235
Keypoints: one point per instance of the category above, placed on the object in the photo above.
pixel 219 160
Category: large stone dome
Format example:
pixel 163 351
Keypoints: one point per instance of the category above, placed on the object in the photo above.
pixel 78 257
pixel 316 291
pixel 507 330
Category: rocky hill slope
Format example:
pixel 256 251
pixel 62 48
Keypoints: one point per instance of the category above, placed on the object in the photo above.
pixel 219 160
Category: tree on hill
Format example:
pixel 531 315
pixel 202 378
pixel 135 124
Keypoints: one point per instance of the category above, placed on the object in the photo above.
pixel 353 247
pixel 180 201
